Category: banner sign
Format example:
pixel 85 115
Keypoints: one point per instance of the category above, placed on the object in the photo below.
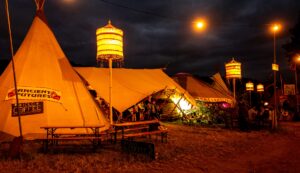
pixel 205 99
pixel 289 89
pixel 32 93
pixel 27 108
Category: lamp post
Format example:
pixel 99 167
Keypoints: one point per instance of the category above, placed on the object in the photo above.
pixel 249 87
pixel 275 28
pixel 109 48
pixel 233 71
pixel 297 60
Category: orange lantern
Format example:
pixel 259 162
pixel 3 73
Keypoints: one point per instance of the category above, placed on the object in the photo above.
pixel 275 67
pixel 109 42
pixel 260 88
pixel 233 70
pixel 249 86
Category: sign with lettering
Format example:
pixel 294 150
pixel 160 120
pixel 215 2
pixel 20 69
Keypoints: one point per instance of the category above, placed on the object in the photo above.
pixel 27 108
pixel 289 89
pixel 32 93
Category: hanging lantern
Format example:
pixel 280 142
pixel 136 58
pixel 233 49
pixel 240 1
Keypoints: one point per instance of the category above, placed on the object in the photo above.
pixel 249 86
pixel 260 88
pixel 109 43
pixel 233 69
pixel 275 67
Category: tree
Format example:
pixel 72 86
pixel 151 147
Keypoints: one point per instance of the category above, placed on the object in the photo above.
pixel 292 48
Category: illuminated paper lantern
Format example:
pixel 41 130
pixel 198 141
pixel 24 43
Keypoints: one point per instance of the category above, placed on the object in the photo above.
pixel 249 86
pixel 109 43
pixel 260 88
pixel 275 67
pixel 233 69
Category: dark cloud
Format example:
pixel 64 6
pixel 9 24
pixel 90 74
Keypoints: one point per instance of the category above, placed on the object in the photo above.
pixel 159 34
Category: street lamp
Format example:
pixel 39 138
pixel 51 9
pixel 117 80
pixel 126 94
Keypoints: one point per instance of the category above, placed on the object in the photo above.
pixel 297 60
pixel 199 25
pixel 275 28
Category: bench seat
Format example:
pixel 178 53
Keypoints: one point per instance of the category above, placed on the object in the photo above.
pixel 163 133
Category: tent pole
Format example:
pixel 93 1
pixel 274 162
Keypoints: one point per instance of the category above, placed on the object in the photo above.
pixel 13 67
pixel 234 88
pixel 110 90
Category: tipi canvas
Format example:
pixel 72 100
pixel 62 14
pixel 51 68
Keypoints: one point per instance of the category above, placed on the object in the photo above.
pixel 50 91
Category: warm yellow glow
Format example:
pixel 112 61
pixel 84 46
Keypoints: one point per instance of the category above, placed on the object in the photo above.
pixel 199 25
pixel 249 86
pixel 109 42
pixel 233 69
pixel 183 103
pixel 260 88
pixel 275 67
pixel 275 28
pixel 297 58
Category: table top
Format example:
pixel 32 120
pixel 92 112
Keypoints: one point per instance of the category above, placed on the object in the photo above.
pixel 136 123
pixel 72 127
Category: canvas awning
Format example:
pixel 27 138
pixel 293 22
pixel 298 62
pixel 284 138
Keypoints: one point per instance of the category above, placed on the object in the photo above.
pixel 130 86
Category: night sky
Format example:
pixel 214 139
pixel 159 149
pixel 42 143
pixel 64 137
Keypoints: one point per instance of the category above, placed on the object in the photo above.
pixel 159 33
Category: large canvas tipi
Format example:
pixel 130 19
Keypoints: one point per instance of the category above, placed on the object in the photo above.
pixel 50 91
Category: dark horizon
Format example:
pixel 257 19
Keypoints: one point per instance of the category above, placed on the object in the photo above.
pixel 158 34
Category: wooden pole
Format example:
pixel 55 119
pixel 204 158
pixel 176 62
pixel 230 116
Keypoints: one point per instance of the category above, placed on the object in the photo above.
pixel 110 91
pixel 13 68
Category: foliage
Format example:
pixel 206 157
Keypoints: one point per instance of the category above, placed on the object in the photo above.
pixel 206 113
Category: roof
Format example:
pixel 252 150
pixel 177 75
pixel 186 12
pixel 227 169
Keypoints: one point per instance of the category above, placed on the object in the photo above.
pixel 203 91
pixel 129 86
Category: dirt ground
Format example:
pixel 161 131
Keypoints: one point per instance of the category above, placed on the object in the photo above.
pixel 189 149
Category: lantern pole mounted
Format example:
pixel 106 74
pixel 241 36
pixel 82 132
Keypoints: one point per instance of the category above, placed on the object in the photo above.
pixel 109 48
pixel 233 71
pixel 13 67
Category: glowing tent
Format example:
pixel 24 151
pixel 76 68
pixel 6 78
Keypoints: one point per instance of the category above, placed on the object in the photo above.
pixel 50 91
pixel 203 91
pixel 130 86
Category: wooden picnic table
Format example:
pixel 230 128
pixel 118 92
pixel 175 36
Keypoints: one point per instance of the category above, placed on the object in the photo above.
pixel 52 136
pixel 122 126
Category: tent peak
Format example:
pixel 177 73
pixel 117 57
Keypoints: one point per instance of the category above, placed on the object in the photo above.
pixel 39 5
pixel 40 10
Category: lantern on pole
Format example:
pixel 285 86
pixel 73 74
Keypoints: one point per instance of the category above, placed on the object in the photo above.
pixel 249 87
pixel 109 48
pixel 233 71
pixel 260 88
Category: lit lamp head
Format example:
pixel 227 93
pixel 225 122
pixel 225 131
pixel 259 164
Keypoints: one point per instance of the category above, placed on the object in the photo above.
pixel 275 28
pixel 199 25
pixel 109 43
pixel 297 58
pixel 249 86
pixel 233 70
pixel 260 88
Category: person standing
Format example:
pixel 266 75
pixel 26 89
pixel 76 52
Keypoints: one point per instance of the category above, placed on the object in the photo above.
pixel 243 113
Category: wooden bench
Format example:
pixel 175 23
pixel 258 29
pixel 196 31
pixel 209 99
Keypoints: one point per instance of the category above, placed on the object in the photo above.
pixel 163 133
pixel 52 137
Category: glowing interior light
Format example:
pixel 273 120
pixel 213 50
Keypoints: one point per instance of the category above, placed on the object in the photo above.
pixel 183 103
